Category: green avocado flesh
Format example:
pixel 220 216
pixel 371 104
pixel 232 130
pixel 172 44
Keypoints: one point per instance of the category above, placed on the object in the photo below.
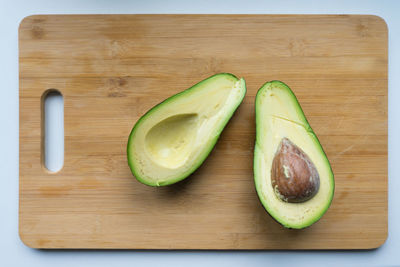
pixel 173 139
pixel 292 174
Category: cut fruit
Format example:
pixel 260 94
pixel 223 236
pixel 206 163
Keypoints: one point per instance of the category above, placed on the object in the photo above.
pixel 173 139
pixel 292 174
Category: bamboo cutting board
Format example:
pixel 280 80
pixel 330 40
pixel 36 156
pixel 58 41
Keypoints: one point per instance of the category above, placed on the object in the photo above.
pixel 111 69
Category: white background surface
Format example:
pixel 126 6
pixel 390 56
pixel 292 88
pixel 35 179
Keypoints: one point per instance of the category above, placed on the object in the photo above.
pixel 14 253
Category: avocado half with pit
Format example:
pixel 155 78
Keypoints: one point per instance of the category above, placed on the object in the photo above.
pixel 173 138
pixel 292 174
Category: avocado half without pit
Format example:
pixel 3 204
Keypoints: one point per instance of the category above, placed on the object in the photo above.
pixel 292 174
pixel 173 138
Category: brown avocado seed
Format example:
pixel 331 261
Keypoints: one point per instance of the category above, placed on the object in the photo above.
pixel 294 177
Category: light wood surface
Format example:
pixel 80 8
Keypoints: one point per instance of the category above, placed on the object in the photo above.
pixel 112 68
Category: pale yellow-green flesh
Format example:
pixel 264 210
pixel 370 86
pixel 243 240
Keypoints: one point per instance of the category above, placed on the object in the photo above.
pixel 282 117
pixel 176 135
pixel 168 143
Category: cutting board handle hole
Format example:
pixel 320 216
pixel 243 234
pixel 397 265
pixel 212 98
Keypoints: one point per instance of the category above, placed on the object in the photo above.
pixel 52 130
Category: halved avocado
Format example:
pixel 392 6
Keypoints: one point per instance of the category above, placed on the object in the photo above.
pixel 292 174
pixel 173 138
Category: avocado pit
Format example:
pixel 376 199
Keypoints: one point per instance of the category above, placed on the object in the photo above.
pixel 294 176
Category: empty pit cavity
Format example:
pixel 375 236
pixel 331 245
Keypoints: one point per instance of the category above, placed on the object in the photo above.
pixel 169 142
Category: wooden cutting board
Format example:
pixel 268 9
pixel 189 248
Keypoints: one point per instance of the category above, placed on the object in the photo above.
pixel 111 69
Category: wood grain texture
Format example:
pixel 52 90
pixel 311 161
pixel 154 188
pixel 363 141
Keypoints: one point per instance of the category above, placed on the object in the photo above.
pixel 112 68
